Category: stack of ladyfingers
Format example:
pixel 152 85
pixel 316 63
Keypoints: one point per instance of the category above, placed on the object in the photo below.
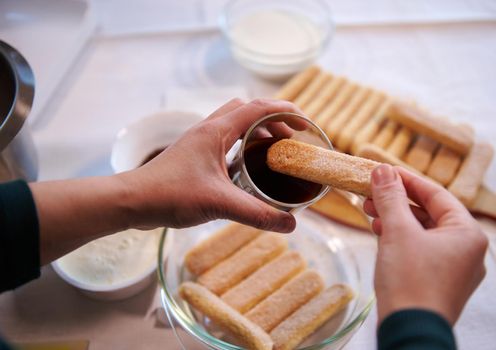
pixel 252 285
pixel 366 122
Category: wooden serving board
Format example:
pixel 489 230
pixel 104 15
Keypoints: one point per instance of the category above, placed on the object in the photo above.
pixel 355 117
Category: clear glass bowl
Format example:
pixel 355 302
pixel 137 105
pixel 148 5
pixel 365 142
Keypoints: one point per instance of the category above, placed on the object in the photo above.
pixel 327 249
pixel 310 17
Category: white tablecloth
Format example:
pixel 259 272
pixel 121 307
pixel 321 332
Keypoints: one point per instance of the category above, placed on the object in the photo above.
pixel 136 66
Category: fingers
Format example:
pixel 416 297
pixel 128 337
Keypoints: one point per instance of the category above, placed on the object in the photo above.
pixel 244 208
pixel 280 130
pixel 377 226
pixel 239 120
pixel 226 108
pixel 436 200
pixel 421 215
pixel 391 201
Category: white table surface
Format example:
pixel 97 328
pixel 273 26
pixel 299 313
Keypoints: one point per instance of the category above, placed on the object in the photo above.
pixel 138 64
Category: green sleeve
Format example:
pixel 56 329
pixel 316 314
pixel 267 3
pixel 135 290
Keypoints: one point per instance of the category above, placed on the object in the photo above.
pixel 415 329
pixel 19 235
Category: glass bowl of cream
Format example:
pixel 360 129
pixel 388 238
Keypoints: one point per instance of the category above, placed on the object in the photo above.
pixel 114 267
pixel 275 39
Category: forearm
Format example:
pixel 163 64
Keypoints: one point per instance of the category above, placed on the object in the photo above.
pixel 74 212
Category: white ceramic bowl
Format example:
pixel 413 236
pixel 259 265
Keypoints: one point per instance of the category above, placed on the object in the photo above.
pixel 137 140
pixel 123 287
pixel 110 293
pixel 133 144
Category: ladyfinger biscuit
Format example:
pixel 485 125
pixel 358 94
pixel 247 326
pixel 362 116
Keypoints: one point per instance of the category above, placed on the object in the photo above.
pixel 371 128
pixel 244 262
pixel 373 152
pixel 264 281
pixel 322 166
pixel 218 247
pixel 222 314
pixel 304 321
pixel 312 89
pixel 326 94
pixel 296 84
pixel 438 129
pixel 400 142
pixel 386 135
pixel 444 165
pixel 334 127
pixel 421 153
pixel 365 112
pixel 469 178
pixel 343 96
pixel 284 301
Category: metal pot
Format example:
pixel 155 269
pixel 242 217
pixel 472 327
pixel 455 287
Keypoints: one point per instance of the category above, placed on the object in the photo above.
pixel 18 158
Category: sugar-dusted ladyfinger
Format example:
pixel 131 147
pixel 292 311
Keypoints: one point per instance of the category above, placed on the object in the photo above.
pixel 312 89
pixel 373 152
pixel 218 247
pixel 469 178
pixel 322 166
pixel 444 165
pixel 386 134
pixel 304 321
pixel 296 84
pixel 264 281
pixel 284 301
pixel 400 142
pixel 244 262
pixel 342 98
pixel 222 314
pixel 361 117
pixel 440 130
pixel 335 126
pixel 371 128
pixel 421 153
pixel 324 97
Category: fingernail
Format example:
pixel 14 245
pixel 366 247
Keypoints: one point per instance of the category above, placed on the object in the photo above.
pixel 286 224
pixel 383 175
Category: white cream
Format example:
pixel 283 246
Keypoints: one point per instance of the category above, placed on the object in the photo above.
pixel 274 32
pixel 113 260
pixel 274 43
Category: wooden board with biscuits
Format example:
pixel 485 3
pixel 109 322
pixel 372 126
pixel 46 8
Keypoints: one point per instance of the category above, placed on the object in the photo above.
pixel 369 123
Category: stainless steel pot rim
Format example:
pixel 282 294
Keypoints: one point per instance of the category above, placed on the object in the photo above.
pixel 23 94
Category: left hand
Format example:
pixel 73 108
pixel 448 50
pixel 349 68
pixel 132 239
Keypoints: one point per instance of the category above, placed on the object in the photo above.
pixel 188 183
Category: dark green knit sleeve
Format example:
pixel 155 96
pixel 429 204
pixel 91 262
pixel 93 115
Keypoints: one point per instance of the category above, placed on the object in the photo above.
pixel 19 235
pixel 415 329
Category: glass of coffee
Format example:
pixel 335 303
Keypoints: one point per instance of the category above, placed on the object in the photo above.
pixel 249 171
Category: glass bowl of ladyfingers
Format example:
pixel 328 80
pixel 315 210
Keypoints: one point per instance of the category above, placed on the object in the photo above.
pixel 230 286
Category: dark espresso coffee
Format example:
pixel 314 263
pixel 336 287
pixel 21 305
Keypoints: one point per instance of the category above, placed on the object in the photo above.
pixel 283 188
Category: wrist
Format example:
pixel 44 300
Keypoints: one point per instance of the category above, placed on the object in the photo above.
pixel 398 303
pixel 128 200
pixel 144 204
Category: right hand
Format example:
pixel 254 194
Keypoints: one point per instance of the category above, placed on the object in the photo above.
pixel 430 257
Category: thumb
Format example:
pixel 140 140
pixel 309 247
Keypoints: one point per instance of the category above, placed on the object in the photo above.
pixel 246 209
pixel 390 200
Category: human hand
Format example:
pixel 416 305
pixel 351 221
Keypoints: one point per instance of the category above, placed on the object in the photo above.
pixel 188 183
pixel 430 257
